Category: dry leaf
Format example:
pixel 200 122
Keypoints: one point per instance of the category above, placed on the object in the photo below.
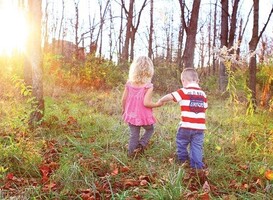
pixel 269 175
pixel 206 187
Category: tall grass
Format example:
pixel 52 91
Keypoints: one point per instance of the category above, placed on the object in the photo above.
pixel 91 149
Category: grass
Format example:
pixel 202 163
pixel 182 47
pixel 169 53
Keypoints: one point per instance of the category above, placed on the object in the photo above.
pixel 83 142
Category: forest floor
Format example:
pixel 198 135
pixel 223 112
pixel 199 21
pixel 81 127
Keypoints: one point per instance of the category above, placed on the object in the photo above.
pixel 80 151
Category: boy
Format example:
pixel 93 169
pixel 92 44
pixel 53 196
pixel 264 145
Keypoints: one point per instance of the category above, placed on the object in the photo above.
pixel 193 104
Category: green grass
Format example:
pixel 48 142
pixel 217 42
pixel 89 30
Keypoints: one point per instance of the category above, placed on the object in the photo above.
pixel 89 144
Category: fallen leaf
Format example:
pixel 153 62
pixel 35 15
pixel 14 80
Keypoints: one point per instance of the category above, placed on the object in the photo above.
pixel 45 170
pixel 206 187
pixel 10 176
pixel 204 196
pixel 269 175
pixel 124 169
pixel 114 172
pixel 50 186
pixel 143 182
pixel 130 183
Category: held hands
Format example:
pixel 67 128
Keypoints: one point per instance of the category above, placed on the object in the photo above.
pixel 159 103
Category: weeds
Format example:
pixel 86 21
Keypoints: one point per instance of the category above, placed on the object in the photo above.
pixel 80 152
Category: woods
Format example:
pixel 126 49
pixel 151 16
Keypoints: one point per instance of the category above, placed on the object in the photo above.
pixel 61 130
pixel 167 41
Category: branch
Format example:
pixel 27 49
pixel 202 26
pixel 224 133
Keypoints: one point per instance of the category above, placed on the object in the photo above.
pixel 247 20
pixel 142 7
pixel 261 33
pixel 182 8
pixel 124 7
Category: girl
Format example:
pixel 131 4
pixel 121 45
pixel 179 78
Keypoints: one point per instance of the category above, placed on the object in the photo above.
pixel 137 104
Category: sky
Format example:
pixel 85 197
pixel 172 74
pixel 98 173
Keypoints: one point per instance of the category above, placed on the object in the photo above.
pixel 164 10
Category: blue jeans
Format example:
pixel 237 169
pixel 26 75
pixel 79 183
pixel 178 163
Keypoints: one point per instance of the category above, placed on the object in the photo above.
pixel 135 139
pixel 194 139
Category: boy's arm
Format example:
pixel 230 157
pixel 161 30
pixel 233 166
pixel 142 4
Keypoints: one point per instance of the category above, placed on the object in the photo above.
pixel 148 100
pixel 166 98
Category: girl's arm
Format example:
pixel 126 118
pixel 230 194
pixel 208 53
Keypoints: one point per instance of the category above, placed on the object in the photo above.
pixel 123 100
pixel 148 100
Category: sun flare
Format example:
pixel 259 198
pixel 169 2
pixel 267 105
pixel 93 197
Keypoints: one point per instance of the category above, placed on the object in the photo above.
pixel 13 32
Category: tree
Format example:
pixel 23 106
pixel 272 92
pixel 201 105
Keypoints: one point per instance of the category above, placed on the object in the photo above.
pixel 34 55
pixel 191 31
pixel 252 47
pixel 227 37
pixel 76 26
pixel 180 38
pixel 150 42
pixel 131 30
pixel 102 19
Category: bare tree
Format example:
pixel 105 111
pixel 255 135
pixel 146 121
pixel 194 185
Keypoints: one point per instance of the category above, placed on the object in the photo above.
pixel 150 42
pixel 227 37
pixel 76 27
pixel 61 27
pixel 45 25
pixel 35 58
pixel 191 30
pixel 111 33
pixel 131 29
pixel 180 37
pixel 214 38
pixel 252 48
pixel 92 44
pixel 102 18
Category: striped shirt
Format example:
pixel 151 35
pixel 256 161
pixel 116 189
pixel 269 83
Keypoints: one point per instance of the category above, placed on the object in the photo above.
pixel 193 104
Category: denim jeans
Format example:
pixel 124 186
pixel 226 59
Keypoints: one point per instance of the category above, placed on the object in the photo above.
pixel 193 139
pixel 135 136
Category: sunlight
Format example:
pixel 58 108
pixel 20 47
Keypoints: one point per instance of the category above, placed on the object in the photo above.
pixel 13 32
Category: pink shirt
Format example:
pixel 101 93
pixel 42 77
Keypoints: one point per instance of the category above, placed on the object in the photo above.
pixel 135 112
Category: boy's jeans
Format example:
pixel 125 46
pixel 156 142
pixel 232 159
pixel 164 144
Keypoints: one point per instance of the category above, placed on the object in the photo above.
pixel 135 136
pixel 195 139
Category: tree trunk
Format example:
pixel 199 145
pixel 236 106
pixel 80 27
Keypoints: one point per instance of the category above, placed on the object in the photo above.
pixel 227 38
pixel 224 38
pixel 130 30
pixel 35 58
pixel 214 38
pixel 150 45
pixel 76 4
pixel 129 24
pixel 191 31
pixel 233 24
pixel 252 47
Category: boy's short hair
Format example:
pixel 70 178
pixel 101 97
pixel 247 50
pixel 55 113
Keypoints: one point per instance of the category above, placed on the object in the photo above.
pixel 189 74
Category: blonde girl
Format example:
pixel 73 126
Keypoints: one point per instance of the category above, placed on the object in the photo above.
pixel 137 104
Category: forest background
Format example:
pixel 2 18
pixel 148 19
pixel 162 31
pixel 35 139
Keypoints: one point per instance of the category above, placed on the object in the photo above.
pixel 63 67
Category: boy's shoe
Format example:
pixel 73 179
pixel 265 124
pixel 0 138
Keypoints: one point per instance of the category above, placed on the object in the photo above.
pixel 139 149
pixel 182 163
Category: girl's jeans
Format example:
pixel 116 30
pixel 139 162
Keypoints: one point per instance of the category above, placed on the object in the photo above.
pixel 135 139
pixel 194 139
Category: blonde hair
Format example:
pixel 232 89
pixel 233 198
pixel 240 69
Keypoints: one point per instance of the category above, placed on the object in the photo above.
pixel 190 75
pixel 141 70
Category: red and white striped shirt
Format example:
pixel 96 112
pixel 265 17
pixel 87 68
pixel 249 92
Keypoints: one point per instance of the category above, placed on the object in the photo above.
pixel 193 103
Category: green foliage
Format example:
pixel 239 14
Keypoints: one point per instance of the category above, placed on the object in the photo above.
pixel 210 84
pixel 11 65
pixel 265 81
pixel 166 78
pixel 19 156
pixel 84 138
pixel 100 73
